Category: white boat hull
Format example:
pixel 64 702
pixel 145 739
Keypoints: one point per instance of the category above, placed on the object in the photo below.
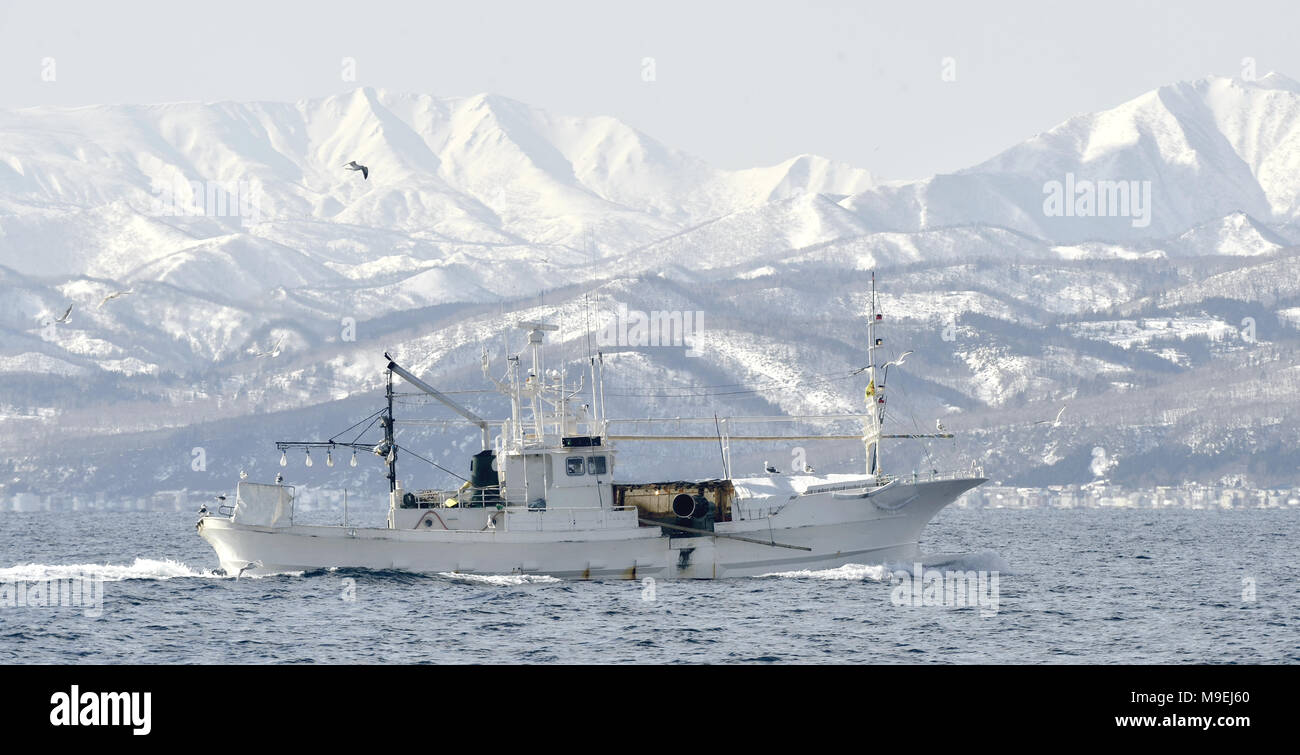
pixel 826 531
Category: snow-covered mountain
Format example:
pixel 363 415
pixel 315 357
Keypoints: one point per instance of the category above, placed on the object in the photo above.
pixel 258 281
pixel 466 171
pixel 1207 148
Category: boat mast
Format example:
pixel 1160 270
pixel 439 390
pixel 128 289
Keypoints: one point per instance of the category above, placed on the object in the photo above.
pixel 874 392
pixel 600 362
pixel 389 442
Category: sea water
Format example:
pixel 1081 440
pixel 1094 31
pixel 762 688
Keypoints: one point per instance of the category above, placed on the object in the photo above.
pixel 1071 586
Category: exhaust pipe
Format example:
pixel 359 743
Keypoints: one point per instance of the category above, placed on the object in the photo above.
pixel 687 506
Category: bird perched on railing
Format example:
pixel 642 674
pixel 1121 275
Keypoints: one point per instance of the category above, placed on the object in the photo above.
pixel 767 465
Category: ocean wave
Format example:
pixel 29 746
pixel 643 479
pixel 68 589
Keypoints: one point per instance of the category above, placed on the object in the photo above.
pixel 986 561
pixel 856 572
pixel 502 580
pixel 141 568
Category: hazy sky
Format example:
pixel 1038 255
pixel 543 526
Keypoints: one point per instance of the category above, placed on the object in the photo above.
pixel 738 83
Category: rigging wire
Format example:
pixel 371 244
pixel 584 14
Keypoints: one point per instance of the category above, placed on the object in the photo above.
pixel 703 392
pixel 763 387
pixel 371 417
pixel 367 428
pixel 433 463
pixel 916 427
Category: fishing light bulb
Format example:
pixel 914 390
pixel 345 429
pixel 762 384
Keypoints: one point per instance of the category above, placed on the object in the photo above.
pixel 329 458
pixel 354 458
pixel 284 458
pixel 309 457
pixel 392 455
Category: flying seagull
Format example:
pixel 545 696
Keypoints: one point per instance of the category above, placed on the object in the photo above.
pixel 365 172
pixel 66 315
pixel 113 296
pixel 247 566
pixel 1053 422
pixel 275 350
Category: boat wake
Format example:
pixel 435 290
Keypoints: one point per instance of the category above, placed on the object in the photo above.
pixel 853 572
pixel 501 580
pixel 141 568
pixel 988 561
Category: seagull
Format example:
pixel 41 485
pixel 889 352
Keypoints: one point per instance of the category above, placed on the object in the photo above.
pixel 807 469
pixel 243 475
pixel 365 172
pixel 246 567
pixel 1053 422
pixel 113 296
pixel 938 425
pixel 767 465
pixel 203 510
pixel 221 498
pixel 67 315
pixel 275 350
pixel 279 478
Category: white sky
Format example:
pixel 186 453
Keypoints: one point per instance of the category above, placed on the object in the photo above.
pixel 737 83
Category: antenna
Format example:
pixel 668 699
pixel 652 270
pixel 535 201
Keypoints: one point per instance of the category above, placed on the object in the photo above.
pixel 591 363
pixel 722 451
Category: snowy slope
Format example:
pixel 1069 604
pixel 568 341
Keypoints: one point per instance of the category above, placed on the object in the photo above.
pixel 1208 148
pixel 482 211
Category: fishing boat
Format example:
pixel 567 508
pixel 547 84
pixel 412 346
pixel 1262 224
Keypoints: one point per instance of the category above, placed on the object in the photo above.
pixel 543 496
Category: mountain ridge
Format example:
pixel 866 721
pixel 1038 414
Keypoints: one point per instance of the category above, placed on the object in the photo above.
pixel 480 211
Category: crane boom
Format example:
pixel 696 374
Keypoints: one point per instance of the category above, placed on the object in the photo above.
pixel 462 411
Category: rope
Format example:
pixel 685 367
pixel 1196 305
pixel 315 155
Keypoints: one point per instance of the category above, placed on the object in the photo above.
pixel 433 463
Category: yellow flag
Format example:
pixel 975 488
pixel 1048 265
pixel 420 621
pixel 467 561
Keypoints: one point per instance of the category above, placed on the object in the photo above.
pixel 871 389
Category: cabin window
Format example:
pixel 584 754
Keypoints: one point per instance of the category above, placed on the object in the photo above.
pixel 573 466
pixel 596 465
